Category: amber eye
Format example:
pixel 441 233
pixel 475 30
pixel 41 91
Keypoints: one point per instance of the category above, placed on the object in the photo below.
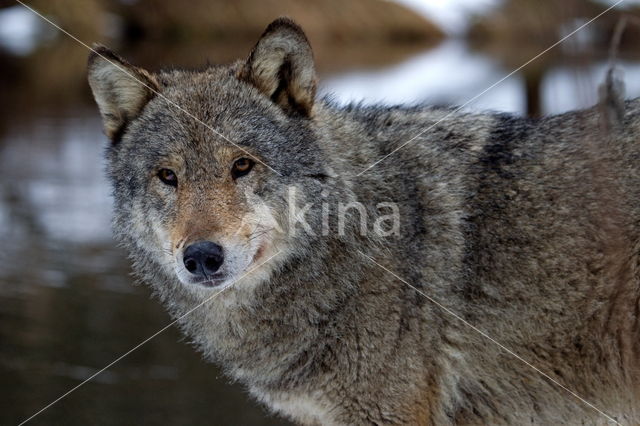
pixel 241 167
pixel 168 177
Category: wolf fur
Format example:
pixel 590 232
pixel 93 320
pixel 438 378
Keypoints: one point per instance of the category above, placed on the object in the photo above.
pixel 527 229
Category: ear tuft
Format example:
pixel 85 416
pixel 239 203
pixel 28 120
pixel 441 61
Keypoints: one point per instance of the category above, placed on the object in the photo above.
pixel 281 66
pixel 120 89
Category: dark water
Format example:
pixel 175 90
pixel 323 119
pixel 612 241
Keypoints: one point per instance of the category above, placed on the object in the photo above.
pixel 67 303
pixel 68 306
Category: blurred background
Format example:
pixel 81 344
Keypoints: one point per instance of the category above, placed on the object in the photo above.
pixel 68 305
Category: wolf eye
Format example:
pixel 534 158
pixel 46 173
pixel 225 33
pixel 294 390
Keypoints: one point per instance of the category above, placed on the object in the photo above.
pixel 168 177
pixel 241 167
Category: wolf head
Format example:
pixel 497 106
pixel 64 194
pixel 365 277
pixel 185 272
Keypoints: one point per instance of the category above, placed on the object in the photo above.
pixel 201 162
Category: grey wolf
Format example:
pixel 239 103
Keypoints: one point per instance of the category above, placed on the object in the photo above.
pixel 527 229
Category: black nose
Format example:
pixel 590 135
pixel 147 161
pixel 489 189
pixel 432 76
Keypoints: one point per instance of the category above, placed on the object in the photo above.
pixel 203 258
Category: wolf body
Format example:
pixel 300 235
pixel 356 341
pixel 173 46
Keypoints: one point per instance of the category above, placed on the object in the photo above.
pixel 510 294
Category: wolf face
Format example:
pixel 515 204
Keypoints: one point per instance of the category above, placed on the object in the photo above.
pixel 200 161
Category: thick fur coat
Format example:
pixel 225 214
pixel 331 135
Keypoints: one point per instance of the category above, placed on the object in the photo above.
pixel 525 229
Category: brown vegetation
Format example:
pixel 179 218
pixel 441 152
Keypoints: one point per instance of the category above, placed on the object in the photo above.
pixel 520 29
pixel 326 21
pixel 153 33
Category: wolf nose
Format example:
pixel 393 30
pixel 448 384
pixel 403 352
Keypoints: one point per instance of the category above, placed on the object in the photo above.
pixel 203 258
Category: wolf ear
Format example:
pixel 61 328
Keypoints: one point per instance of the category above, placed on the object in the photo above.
pixel 120 89
pixel 281 66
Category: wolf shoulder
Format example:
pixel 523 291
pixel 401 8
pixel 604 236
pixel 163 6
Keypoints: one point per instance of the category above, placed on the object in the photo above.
pixel 414 133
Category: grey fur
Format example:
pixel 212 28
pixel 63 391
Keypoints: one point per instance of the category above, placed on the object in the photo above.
pixel 526 229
